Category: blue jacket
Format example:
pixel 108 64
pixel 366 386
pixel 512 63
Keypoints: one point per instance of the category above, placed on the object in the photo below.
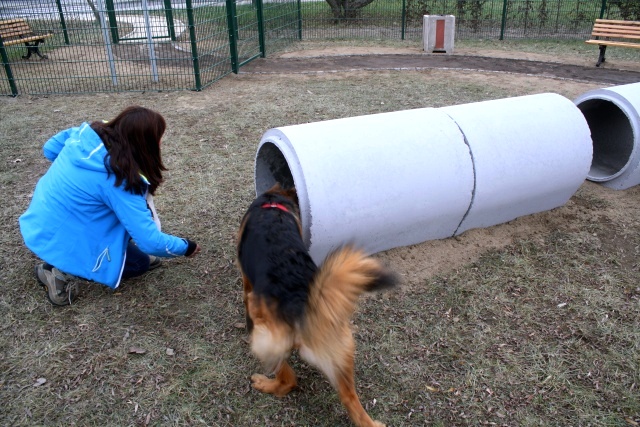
pixel 79 222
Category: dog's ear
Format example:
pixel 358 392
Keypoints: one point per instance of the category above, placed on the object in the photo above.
pixel 288 192
pixel 276 188
pixel 292 194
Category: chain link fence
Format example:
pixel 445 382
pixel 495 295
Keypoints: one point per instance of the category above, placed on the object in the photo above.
pixel 489 19
pixel 110 45
pixel 513 19
pixel 77 46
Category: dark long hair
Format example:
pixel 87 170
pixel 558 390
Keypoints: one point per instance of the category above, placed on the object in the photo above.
pixel 133 142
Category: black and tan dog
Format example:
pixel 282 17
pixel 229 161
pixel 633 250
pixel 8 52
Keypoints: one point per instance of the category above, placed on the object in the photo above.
pixel 290 303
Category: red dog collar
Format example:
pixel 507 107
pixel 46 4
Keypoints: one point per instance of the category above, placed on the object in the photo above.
pixel 275 205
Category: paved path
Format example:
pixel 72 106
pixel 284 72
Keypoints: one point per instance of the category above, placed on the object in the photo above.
pixel 428 61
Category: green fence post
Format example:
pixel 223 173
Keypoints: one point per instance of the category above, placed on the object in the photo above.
pixel 7 69
pixel 404 18
pixel 113 25
pixel 168 13
pixel 62 22
pixel 194 46
pixel 299 19
pixel 261 41
pixel 232 25
pixel 603 8
pixel 504 19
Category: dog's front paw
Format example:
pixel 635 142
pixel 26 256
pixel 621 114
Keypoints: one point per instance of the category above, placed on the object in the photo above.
pixel 266 385
pixel 379 424
pixel 272 386
pixel 259 381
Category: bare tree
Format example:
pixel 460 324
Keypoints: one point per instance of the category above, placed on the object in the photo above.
pixel 629 9
pixel 345 9
pixel 95 11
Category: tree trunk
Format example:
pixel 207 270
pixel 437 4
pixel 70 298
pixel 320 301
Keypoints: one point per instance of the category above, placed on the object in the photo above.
pixel 95 12
pixel 343 9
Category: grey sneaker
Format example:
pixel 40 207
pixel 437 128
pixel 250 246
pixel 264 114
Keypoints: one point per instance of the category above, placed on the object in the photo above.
pixel 59 290
pixel 154 262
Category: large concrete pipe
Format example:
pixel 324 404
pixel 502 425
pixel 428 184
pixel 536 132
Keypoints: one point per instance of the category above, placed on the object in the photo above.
pixel 378 181
pixel 530 154
pixel 397 179
pixel 613 115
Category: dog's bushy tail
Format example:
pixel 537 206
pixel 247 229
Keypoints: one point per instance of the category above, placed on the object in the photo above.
pixel 343 277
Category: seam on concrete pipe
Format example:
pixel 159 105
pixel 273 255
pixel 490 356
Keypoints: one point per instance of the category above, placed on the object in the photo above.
pixel 378 181
pixel 613 116
pixel 473 166
pixel 531 153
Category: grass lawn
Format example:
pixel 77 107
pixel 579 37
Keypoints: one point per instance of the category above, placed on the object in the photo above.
pixel 530 323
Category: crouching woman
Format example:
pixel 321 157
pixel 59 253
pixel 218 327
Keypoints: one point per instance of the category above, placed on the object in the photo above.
pixel 89 216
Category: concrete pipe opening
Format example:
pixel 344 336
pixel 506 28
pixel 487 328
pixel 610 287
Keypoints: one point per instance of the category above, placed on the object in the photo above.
pixel 614 122
pixel 612 137
pixel 271 168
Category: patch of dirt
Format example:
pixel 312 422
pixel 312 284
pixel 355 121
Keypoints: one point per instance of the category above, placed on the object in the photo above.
pixel 419 262
pixel 397 61
pixel 462 52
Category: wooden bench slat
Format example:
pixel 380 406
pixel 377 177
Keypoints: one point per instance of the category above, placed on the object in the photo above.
pixel 14 32
pixel 26 39
pixel 629 30
pixel 621 31
pixel 607 34
pixel 14 24
pixel 618 27
pixel 617 21
pixel 614 43
pixel 11 21
pixel 618 30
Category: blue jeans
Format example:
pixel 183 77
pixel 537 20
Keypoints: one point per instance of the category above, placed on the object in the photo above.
pixel 136 264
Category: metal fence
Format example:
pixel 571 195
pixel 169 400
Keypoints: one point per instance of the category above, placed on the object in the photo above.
pixel 513 19
pixel 491 19
pixel 139 45
pixel 111 45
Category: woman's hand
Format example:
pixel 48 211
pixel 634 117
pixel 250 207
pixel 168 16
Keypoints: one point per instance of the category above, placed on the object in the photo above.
pixel 195 252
